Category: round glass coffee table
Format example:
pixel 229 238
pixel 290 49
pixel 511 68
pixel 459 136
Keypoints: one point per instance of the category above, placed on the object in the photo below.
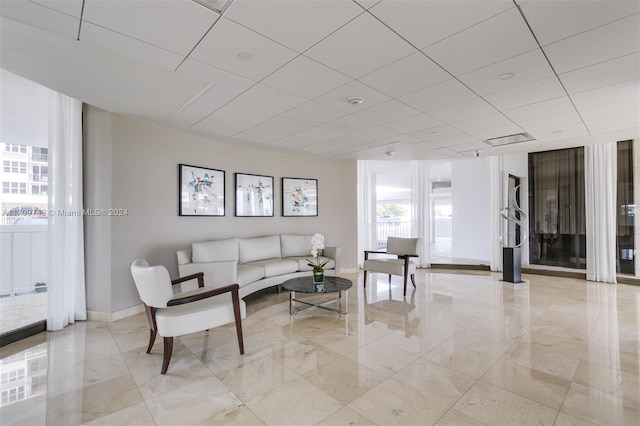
pixel 306 285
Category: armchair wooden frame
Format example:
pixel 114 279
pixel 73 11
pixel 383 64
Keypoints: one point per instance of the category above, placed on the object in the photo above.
pixel 405 257
pixel 168 341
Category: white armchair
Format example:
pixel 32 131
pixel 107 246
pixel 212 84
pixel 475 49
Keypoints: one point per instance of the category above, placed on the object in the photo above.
pixel 172 315
pixel 404 249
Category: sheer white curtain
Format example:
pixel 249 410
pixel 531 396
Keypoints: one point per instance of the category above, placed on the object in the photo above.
pixel 66 289
pixel 421 210
pixel 366 211
pixel 600 173
pixel 497 225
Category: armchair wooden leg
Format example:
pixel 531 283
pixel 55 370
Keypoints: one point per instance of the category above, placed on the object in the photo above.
pixel 365 279
pixel 238 317
pixel 405 285
pixel 413 280
pixel 168 349
pixel 389 279
pixel 152 339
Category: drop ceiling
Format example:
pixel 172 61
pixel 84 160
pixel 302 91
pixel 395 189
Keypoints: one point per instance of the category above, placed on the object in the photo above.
pixel 438 78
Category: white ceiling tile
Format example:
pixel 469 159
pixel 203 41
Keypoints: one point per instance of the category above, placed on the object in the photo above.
pixel 426 22
pixel 556 20
pixel 555 106
pixel 451 141
pixel 375 133
pixel 175 25
pixel 602 95
pixel 463 111
pixel 438 96
pixel 569 130
pixel 297 24
pixel 226 40
pixel 337 98
pixel 306 77
pixel 40 17
pixel 601 44
pixel 348 125
pixel 129 47
pixel 312 113
pixel 360 47
pixel 272 129
pixel 552 123
pixel 538 91
pixel 387 112
pixel 268 99
pixel 415 123
pixel 470 147
pixel 335 144
pixel 488 121
pixel 69 7
pixel 612 109
pixel 367 4
pixel 604 124
pixel 603 74
pixel 307 137
pixel 231 119
pixel 526 68
pixel 406 75
pixel 434 133
pixel 196 110
pixel 226 85
pixel 494 40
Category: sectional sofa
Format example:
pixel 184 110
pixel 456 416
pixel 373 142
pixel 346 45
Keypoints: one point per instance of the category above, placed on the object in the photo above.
pixel 254 263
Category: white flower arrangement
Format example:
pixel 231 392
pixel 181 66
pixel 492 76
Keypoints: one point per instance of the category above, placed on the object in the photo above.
pixel 317 243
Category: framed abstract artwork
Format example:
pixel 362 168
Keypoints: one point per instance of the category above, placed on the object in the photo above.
pixel 201 191
pixel 299 197
pixel 254 195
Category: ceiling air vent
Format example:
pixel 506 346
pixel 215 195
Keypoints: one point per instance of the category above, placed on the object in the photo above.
pixel 509 140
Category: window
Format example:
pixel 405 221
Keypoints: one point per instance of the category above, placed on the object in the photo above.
pixel 39 154
pixel 15 148
pixel 557 225
pixel 625 232
pixel 14 166
pixel 14 188
pixel 39 189
pixel 40 173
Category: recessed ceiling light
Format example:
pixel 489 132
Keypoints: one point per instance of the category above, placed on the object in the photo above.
pixel 506 76
pixel 390 153
pixel 244 56
pixel 355 100
pixel 557 132
pixel 346 126
pixel 435 133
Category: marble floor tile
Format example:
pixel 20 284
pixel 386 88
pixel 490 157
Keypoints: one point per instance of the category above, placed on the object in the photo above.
pixel 295 402
pixel 600 407
pixel 464 348
pixel 535 385
pixel 494 406
pixel 344 379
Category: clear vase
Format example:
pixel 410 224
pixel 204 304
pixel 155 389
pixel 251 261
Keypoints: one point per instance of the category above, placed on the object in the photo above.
pixel 318 277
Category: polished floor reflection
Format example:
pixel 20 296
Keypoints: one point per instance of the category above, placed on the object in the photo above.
pixel 463 348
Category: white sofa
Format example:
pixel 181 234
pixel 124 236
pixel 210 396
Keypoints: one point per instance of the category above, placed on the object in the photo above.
pixel 254 263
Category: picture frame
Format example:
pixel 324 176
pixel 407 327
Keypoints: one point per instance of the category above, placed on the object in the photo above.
pixel 299 197
pixel 201 191
pixel 254 195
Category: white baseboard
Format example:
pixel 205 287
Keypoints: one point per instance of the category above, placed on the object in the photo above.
pixel 115 316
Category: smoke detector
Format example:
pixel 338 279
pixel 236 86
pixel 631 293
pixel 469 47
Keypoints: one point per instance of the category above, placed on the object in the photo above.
pixel 355 100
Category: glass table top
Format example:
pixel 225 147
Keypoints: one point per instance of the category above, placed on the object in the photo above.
pixel 306 285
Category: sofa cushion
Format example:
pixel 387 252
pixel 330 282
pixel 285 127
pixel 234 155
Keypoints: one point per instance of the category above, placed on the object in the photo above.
pixel 275 267
pixel 303 263
pixel 215 251
pixel 295 245
pixel 252 249
pixel 249 273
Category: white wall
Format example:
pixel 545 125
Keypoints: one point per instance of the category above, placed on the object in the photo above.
pixel 470 200
pixel 144 180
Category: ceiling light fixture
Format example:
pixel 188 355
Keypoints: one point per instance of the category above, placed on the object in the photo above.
pixel 218 6
pixel 506 76
pixel 355 100
pixel 556 132
pixel 510 139
pixel 390 153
